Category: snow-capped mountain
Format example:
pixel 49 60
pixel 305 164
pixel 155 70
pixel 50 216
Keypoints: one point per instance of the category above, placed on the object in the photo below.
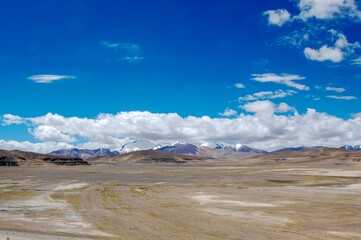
pixel 139 144
pixel 349 147
pixel 180 148
pixel 232 147
pixel 209 149
pixel 84 153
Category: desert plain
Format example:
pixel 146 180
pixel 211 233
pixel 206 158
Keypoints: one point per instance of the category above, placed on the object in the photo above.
pixel 308 195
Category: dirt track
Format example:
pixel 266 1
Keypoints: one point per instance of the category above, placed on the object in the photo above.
pixel 215 200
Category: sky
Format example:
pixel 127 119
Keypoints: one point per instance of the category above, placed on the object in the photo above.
pixel 267 74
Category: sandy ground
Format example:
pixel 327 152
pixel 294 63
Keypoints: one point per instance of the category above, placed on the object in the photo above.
pixel 214 200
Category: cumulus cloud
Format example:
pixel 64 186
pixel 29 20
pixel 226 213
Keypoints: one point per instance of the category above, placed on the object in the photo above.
pixel 328 9
pixel 49 133
pixel 43 147
pixel 333 89
pixel 325 53
pixel 277 17
pixel 239 85
pixel 228 113
pixel 286 79
pixel 267 95
pixel 48 78
pixel 266 107
pixel 265 127
pixel 342 97
pixel 335 53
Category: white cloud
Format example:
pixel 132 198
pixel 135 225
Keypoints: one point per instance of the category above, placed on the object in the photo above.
pixel 267 95
pixel 342 97
pixel 228 113
pixel 44 147
pixel 265 129
pixel 284 107
pixel 333 89
pixel 9 119
pixel 266 107
pixel 132 59
pixel 356 61
pixel 48 78
pixel 129 47
pixel 127 52
pixel 277 17
pixel 286 79
pixel 51 134
pixel 335 53
pixel 239 85
pixel 325 53
pixel 328 9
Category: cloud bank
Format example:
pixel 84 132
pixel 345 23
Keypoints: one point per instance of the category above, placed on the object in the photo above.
pixel 266 125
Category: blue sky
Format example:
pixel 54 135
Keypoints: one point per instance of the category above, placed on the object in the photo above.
pixel 228 61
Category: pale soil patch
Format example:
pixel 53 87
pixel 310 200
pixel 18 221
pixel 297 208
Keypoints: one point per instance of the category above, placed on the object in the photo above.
pixel 320 172
pixel 36 210
pixel 256 216
pixel 346 234
pixel 70 186
pixel 11 235
pixel 210 199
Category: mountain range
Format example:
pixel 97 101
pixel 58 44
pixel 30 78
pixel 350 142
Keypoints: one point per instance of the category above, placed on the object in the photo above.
pixel 209 150
pixel 205 149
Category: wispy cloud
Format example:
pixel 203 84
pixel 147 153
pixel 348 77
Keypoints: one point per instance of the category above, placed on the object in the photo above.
pixel 333 89
pixel 267 95
pixel 49 78
pixel 9 119
pixel 131 47
pixel 239 85
pixel 129 52
pixel 342 97
pixel 286 79
pixel 356 61
pixel 132 59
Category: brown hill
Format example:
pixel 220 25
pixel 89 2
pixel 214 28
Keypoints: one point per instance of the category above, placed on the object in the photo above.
pixel 20 158
pixel 147 156
pixel 319 157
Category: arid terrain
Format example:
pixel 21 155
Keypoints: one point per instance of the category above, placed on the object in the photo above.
pixel 289 195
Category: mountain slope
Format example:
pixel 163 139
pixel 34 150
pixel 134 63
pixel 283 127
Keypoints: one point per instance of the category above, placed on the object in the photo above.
pixel 309 157
pixel 180 148
pixel 20 158
pixel 147 156
pixel 300 148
